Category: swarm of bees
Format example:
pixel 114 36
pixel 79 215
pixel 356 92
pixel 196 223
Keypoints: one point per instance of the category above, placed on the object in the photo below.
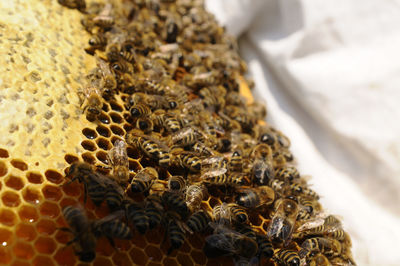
pixel 179 74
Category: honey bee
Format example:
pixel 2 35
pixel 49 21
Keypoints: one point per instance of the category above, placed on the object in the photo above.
pixel 188 160
pixel 158 118
pixel 152 147
pixel 264 135
pixel 175 203
pixel 84 239
pixel 306 208
pixel 238 214
pixel 277 185
pixel 201 149
pixel 212 129
pixel 143 180
pixel 258 109
pixel 255 197
pixel 104 19
pixel 287 257
pixel 145 124
pixel 329 226
pixel 94 184
pixel 92 102
pixel 223 145
pixel 128 54
pixel 299 190
pixel 136 215
pixel 282 223
pixel 118 158
pixel 87 23
pixel 175 232
pixel 153 87
pixel 235 98
pixel 318 260
pixel 187 136
pixel 202 80
pixel 111 227
pixel 236 162
pixel 108 80
pixel 113 47
pixel 194 195
pixel 98 41
pixel 227 242
pixel 171 124
pixel 227 123
pixel 262 172
pixel 198 221
pixel 74 4
pixel 176 184
pixel 212 98
pixel 261 151
pixel 172 29
pixel 245 120
pixel 246 230
pixel 326 246
pixel 228 213
pixel 154 210
pixel 342 260
pixel 215 162
pixel 164 158
pixel 287 173
pixel 140 110
pixel 220 178
pixel 121 66
pixel 265 248
pixel 283 140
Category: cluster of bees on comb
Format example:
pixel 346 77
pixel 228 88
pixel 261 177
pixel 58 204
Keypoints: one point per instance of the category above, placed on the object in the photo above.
pixel 178 74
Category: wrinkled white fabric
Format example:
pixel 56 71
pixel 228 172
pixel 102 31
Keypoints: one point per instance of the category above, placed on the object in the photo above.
pixel 329 72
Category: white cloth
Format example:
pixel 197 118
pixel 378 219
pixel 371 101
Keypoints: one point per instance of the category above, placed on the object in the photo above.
pixel 329 72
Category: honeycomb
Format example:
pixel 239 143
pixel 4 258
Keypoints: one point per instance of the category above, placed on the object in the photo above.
pixel 42 67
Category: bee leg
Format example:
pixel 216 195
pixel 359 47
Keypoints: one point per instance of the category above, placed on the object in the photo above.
pixel 85 193
pixel 112 243
pixel 71 241
pixel 170 250
pixel 65 229
pixel 103 167
pixel 84 108
pixel 69 182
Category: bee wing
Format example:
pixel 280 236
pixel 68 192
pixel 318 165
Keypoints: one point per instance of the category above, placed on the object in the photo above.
pixel 167 48
pixel 193 106
pixel 99 178
pixel 104 67
pixel 118 215
pixel 118 154
pixel 221 241
pixel 241 261
pixel 312 223
pixel 212 160
pixel 184 227
pixel 243 190
pixel 83 218
pixel 144 175
pixel 214 172
pixel 116 187
pixel 180 134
